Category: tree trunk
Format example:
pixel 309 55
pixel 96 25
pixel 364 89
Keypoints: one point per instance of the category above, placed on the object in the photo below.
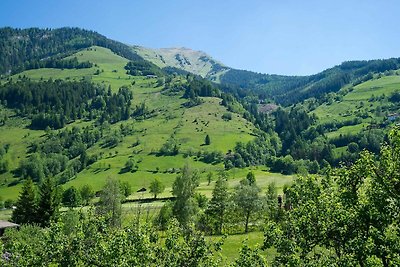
pixel 247 222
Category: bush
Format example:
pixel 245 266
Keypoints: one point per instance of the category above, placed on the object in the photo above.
pixel 227 116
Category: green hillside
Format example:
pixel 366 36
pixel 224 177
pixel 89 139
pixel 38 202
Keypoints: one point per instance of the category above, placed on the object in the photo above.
pixel 368 101
pixel 169 117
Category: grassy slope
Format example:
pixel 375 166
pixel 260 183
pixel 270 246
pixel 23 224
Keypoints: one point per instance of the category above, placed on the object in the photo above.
pixel 358 100
pixel 169 117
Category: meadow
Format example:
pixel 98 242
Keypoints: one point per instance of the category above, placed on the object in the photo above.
pixel 365 101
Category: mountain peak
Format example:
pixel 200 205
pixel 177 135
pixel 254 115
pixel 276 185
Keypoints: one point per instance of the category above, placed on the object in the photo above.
pixel 193 61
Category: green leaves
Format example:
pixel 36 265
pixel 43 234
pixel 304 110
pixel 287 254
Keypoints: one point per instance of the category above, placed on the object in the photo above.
pixel 348 219
pixel 184 188
pixel 156 187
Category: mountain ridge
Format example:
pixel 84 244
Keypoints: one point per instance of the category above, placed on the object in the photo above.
pixel 43 44
pixel 186 59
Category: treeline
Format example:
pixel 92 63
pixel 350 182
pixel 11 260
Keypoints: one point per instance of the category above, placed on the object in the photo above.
pixel 142 68
pixel 72 63
pixel 21 48
pixel 287 90
pixel 85 240
pixel 101 227
pixel 370 140
pixel 55 103
pixel 197 87
pixel 288 142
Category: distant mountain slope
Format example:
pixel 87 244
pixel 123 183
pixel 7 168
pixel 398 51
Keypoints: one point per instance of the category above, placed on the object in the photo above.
pixel 284 90
pixel 28 48
pixel 158 116
pixel 287 90
pixel 20 48
pixel 196 62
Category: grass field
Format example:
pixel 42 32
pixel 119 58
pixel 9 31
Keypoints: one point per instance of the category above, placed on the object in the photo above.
pixel 363 100
pixel 233 243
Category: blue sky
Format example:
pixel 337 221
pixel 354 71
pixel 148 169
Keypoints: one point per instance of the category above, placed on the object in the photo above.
pixel 280 36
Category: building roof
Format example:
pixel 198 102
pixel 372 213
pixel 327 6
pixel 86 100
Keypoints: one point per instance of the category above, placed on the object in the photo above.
pixel 6 224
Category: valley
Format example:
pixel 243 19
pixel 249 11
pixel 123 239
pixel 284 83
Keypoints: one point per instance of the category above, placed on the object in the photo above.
pixel 168 151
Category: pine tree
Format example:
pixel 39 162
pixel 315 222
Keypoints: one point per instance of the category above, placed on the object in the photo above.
pixel 26 206
pixel 207 140
pixel 218 204
pixel 49 202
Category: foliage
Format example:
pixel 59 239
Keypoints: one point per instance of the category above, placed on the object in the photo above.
pixel 56 155
pixel 246 200
pixel 88 241
pixel 109 204
pixel 218 205
pixel 169 148
pixel 347 218
pixel 55 103
pixel 249 257
pixel 207 140
pixel 26 205
pixel 156 187
pixel 164 216
pixel 142 68
pixel 87 194
pixel 56 63
pixel 126 188
pixel 287 90
pixel 183 189
pixel 227 116
pixel 49 202
pixel 71 197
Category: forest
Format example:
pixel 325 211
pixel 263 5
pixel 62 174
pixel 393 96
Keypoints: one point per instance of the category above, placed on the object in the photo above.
pixel 288 90
pixel 21 49
pixel 55 103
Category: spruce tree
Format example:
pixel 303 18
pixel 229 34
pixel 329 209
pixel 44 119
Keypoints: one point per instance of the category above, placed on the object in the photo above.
pixel 49 202
pixel 26 206
pixel 207 140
